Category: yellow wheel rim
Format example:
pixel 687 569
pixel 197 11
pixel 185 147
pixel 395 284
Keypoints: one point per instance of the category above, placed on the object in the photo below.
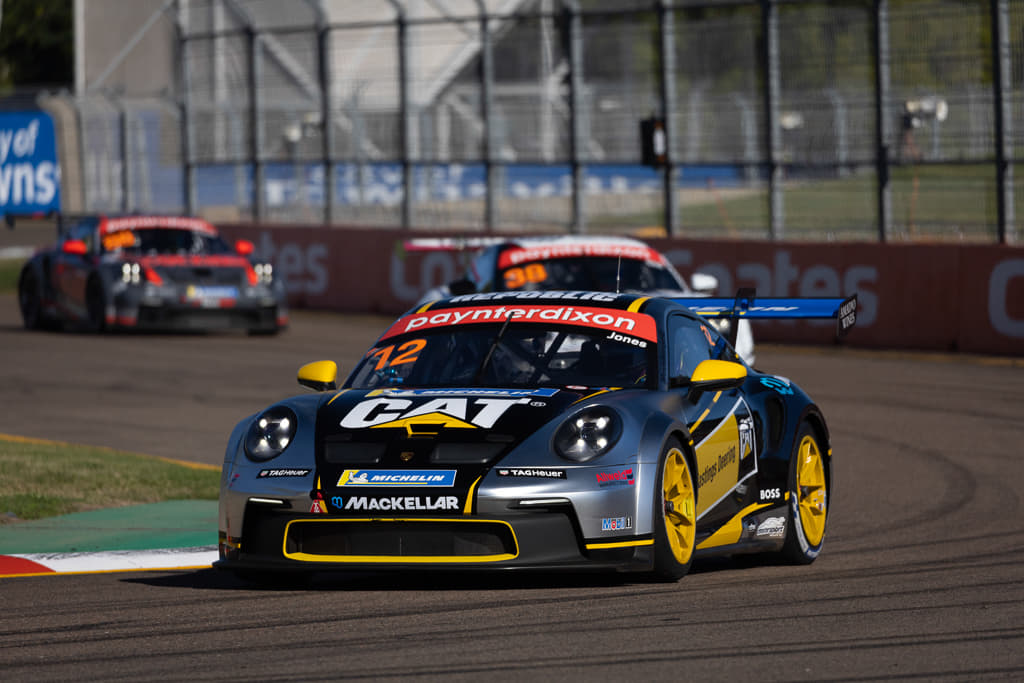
pixel 679 505
pixel 810 490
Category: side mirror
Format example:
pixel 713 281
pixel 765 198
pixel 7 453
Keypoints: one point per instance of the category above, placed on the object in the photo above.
pixel 76 247
pixel 462 286
pixel 703 283
pixel 712 375
pixel 320 375
pixel 244 247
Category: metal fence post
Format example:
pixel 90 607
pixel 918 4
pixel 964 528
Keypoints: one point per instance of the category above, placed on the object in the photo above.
pixel 487 112
pixel 1003 120
pixel 185 104
pixel 773 133
pixel 326 123
pixel 404 134
pixel 575 47
pixel 256 124
pixel 882 125
pixel 667 48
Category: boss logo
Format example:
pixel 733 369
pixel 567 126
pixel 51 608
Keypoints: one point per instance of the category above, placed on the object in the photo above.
pixel 771 494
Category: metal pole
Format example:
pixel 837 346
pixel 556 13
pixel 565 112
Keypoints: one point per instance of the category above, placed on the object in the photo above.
pixel 572 12
pixel 1003 120
pixel 404 134
pixel 187 133
pixel 773 132
pixel 256 125
pixel 487 112
pixel 667 48
pixel 883 131
pixel 326 123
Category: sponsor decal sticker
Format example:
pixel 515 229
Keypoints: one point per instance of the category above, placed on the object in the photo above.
pixel 401 503
pixel 196 292
pixel 617 478
pixel 512 257
pixel 534 472
pixel 397 478
pixel 773 527
pixel 770 494
pixel 616 523
pixel 455 412
pixel 633 324
pixel 778 384
pixel 283 473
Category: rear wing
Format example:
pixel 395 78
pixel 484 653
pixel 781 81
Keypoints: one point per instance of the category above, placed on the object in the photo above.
pixel 746 305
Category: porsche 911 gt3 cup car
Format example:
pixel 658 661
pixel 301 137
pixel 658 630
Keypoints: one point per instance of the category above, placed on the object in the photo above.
pixel 572 262
pixel 153 272
pixel 515 430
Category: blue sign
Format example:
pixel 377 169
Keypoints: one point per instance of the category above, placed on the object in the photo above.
pixel 29 172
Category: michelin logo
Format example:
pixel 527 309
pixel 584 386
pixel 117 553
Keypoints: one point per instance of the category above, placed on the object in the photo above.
pixel 397 478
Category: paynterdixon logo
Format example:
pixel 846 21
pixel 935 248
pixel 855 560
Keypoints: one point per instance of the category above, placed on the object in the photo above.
pixel 397 478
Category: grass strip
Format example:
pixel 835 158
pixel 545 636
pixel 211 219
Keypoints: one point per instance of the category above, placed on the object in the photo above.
pixel 46 478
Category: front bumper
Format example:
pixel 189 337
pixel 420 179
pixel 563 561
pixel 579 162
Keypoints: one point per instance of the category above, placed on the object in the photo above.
pixel 275 539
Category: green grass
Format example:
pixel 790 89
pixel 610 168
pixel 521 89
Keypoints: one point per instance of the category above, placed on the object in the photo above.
pixel 44 479
pixel 9 271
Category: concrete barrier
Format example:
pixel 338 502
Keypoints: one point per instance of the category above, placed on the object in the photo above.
pixel 949 297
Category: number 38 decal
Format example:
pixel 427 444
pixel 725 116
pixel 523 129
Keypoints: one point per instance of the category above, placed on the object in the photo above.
pixel 517 277
pixel 407 353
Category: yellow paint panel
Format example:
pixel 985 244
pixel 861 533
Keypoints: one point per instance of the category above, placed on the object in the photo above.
pixel 731 531
pixel 718 464
pixel 622 544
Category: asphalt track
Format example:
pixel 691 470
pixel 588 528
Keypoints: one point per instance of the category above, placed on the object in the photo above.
pixel 921 577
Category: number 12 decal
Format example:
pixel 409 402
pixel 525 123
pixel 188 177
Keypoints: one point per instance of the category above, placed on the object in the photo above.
pixel 407 353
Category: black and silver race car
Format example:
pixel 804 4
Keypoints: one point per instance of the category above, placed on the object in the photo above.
pixel 149 272
pixel 514 430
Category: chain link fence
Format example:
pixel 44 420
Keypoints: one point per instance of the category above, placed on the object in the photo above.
pixel 842 120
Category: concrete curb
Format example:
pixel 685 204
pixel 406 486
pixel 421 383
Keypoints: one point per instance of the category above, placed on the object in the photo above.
pixel 37 564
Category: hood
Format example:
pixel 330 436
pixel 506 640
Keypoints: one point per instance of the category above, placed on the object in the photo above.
pixel 421 450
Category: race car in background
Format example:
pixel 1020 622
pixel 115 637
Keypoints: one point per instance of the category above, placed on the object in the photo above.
pixel 149 272
pixel 506 430
pixel 593 263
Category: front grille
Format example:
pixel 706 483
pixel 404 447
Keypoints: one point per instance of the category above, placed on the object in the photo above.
pixel 428 540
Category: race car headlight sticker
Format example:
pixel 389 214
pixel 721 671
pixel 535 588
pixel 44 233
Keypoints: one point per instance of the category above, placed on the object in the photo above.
pixel 270 433
pixel 588 434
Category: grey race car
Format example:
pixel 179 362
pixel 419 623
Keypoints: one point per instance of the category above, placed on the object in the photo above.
pixel 559 430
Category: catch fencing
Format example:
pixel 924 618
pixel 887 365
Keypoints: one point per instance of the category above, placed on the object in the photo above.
pixel 758 119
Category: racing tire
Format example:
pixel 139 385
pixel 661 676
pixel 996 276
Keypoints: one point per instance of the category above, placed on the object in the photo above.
pixel 30 300
pixel 95 306
pixel 808 499
pixel 675 514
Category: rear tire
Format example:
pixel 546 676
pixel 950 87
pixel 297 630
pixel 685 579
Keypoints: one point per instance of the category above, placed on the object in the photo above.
pixel 96 306
pixel 30 300
pixel 675 514
pixel 808 499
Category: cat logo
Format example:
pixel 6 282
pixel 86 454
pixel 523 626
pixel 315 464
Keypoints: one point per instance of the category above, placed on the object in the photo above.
pixel 428 418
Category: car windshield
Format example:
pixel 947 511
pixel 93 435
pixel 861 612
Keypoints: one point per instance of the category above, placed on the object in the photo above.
pixel 507 355
pixel 164 241
pixel 603 274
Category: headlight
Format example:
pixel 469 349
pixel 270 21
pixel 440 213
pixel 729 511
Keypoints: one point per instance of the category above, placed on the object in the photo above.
pixel 131 273
pixel 588 434
pixel 264 273
pixel 270 433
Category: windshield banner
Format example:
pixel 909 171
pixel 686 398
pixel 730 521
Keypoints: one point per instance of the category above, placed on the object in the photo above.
pixel 626 322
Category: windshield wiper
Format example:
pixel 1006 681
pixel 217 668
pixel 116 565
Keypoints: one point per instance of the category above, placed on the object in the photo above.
pixel 490 352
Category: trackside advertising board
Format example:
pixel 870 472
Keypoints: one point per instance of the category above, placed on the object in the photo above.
pixel 946 297
pixel 29 172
